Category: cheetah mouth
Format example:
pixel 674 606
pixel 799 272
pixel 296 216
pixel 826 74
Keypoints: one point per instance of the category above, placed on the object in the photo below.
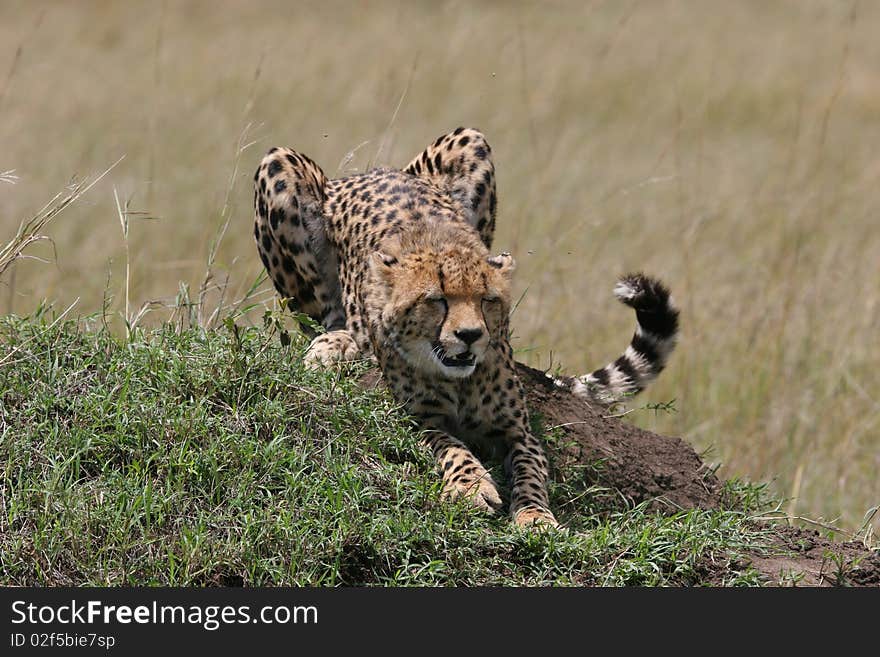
pixel 464 359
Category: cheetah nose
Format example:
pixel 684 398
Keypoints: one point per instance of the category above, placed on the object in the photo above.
pixel 469 336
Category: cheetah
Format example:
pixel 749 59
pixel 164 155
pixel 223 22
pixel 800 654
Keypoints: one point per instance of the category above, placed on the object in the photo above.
pixel 396 265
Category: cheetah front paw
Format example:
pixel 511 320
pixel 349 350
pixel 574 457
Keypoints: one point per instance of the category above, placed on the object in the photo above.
pixel 535 517
pixel 478 488
pixel 330 348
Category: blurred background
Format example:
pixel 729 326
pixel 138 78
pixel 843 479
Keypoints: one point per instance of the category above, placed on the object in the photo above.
pixel 731 148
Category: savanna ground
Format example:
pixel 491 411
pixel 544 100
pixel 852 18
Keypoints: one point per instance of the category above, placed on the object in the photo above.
pixel 190 457
pixel 729 148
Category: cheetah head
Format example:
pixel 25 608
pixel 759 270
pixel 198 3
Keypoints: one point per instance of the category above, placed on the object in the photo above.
pixel 443 309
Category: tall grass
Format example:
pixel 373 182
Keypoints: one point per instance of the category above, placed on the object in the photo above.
pixel 33 230
pixel 728 147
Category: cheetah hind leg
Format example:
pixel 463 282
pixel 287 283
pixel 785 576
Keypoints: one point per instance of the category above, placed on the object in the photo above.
pixel 289 229
pixel 460 163
pixel 331 348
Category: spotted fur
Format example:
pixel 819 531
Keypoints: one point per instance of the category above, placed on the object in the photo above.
pixel 395 264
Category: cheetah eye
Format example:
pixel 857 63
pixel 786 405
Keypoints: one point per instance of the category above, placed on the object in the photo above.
pixel 436 299
pixel 491 299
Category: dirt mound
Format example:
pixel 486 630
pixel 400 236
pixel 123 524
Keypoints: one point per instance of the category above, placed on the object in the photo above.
pixel 638 464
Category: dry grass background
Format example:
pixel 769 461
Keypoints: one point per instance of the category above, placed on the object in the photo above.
pixel 731 148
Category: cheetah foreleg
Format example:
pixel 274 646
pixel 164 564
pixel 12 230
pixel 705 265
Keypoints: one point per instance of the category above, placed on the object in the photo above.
pixel 463 475
pixel 529 503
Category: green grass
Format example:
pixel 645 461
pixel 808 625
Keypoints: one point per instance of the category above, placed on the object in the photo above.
pixel 205 458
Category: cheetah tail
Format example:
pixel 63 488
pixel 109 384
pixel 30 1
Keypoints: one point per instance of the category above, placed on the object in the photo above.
pixel 645 357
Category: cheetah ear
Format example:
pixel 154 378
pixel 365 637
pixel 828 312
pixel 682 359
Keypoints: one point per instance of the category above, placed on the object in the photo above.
pixel 503 262
pixel 384 264
pixel 385 259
